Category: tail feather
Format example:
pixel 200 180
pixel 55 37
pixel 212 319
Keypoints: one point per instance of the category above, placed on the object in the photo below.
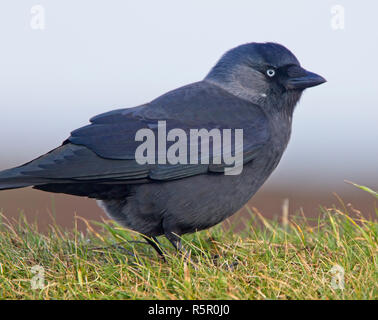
pixel 13 179
pixel 20 177
pixel 14 185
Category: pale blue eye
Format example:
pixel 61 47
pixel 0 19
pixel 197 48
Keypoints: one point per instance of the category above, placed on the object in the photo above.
pixel 270 72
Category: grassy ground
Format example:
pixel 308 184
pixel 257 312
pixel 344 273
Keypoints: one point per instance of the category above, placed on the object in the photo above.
pixel 289 259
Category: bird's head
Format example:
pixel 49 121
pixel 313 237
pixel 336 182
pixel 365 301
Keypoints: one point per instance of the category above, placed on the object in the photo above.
pixel 265 73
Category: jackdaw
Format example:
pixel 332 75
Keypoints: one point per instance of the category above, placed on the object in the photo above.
pixel 253 87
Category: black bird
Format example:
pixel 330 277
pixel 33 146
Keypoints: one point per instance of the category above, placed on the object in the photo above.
pixel 253 87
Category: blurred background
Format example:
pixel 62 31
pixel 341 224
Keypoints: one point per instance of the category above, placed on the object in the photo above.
pixel 61 62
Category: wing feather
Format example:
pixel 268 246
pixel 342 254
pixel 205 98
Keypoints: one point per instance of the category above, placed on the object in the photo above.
pixel 104 151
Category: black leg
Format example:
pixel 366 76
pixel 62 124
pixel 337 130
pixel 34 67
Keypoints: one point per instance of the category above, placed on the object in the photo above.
pixel 155 244
pixel 176 242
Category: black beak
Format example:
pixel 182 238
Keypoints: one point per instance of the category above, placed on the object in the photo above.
pixel 303 79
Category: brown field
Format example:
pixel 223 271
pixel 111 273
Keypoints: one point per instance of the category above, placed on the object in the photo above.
pixel 42 206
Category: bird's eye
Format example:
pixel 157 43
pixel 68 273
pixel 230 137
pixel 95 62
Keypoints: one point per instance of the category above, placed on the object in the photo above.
pixel 271 72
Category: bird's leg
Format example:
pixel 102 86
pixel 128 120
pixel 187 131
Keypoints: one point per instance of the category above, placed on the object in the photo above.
pixel 176 242
pixel 153 241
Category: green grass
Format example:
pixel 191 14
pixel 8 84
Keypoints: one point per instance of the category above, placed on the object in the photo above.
pixel 290 260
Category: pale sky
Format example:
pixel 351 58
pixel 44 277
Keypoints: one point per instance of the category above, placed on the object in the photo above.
pixel 94 56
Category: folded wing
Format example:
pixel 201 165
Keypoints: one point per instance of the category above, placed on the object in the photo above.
pixel 104 151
